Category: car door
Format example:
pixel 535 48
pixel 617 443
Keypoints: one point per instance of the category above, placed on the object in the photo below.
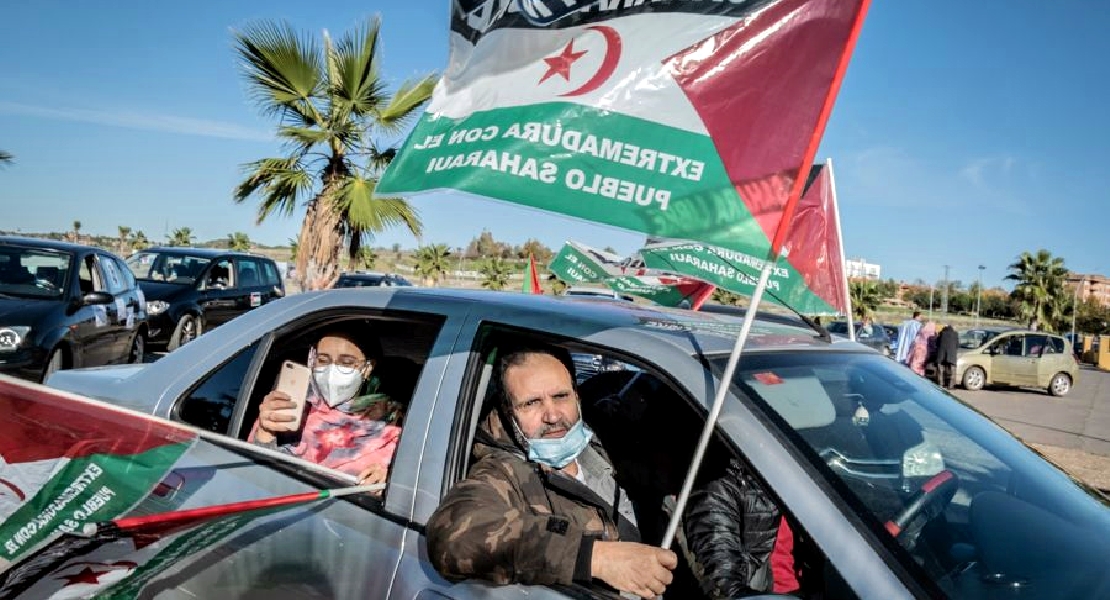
pixel 346 537
pixel 124 305
pixel 253 282
pixel 1007 359
pixel 219 295
pixel 1050 360
pixel 95 327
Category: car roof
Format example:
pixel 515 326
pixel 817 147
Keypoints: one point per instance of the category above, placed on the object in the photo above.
pixel 693 332
pixel 203 252
pixel 48 244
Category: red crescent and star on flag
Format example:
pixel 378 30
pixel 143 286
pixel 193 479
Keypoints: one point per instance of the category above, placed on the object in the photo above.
pixel 560 64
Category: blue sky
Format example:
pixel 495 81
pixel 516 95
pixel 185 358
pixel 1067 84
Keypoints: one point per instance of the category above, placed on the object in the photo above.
pixel 965 132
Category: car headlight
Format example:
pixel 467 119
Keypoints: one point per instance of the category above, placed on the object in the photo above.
pixel 12 337
pixel 156 307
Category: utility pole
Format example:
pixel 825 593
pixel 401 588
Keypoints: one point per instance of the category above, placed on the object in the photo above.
pixel 931 289
pixel 979 296
pixel 1075 307
pixel 944 294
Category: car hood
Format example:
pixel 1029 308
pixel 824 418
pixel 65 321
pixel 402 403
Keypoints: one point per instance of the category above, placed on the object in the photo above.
pixel 23 311
pixel 95 382
pixel 157 290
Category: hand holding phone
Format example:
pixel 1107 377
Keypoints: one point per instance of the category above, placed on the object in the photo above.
pixel 282 410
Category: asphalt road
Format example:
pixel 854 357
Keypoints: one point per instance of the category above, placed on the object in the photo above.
pixel 1078 421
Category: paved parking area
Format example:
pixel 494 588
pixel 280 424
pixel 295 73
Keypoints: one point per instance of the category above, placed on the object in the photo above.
pixel 1074 430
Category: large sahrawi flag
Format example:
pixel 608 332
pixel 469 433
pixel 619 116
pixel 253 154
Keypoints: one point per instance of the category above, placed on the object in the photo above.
pixel 686 119
pixel 809 279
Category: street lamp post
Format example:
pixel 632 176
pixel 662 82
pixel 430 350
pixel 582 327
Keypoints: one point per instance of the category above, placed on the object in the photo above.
pixel 979 297
pixel 1075 307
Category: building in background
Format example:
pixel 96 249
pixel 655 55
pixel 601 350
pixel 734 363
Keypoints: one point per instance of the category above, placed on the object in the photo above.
pixel 861 269
pixel 1091 287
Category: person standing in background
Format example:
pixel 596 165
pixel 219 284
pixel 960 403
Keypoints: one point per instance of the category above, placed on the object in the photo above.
pixel 907 332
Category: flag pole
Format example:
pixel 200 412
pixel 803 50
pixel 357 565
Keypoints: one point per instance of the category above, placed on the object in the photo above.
pixel 843 265
pixel 768 266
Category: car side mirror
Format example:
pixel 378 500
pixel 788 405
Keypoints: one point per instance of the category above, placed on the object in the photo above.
pixel 97 298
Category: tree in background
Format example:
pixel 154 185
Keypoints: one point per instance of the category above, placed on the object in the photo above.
pixel 432 263
pixel 181 237
pixel 238 241
pixel 495 273
pixel 333 108
pixel 865 298
pixel 139 241
pixel 77 232
pixel 533 247
pixel 293 249
pixel 1040 292
pixel 483 246
pixel 367 258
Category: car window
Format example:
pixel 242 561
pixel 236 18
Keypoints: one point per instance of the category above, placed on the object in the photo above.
pixel 1035 344
pixel 1057 344
pixel 113 278
pixel 128 277
pixel 250 272
pixel 273 277
pixel 90 276
pixel 932 473
pixel 210 404
pixel 220 275
pixel 405 341
pixel 1013 345
pixel 27 272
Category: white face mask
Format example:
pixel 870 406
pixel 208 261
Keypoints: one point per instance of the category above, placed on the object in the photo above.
pixel 337 385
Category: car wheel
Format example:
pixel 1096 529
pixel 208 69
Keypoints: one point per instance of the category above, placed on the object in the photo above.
pixel 138 349
pixel 56 362
pixel 187 330
pixel 1060 384
pixel 974 379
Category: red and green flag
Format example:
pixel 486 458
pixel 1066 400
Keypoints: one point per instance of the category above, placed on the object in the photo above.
pixel 809 278
pixel 685 119
pixel 532 278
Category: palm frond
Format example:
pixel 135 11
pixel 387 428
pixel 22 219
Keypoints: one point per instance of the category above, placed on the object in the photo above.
pixel 364 212
pixel 406 103
pixel 303 137
pixel 284 70
pixel 279 181
pixel 357 77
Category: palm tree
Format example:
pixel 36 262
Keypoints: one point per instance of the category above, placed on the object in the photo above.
pixel 182 237
pixel 495 272
pixel 139 241
pixel 77 231
pixel 367 258
pixel 293 249
pixel 124 236
pixel 6 158
pixel 332 106
pixel 432 263
pixel 238 241
pixel 1039 292
pixel 865 298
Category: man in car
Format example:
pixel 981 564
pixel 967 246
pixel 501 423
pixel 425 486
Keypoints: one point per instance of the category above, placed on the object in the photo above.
pixel 540 505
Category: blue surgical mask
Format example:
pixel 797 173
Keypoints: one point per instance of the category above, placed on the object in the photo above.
pixel 558 452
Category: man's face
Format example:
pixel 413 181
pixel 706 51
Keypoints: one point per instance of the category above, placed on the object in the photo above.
pixel 542 395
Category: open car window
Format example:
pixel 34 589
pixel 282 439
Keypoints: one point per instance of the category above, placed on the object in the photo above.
pixel 966 501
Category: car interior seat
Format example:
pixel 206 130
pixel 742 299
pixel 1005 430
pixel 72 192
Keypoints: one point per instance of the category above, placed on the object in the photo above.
pixel 49 274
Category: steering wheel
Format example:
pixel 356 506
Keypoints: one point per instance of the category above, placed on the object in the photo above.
pixel 928 502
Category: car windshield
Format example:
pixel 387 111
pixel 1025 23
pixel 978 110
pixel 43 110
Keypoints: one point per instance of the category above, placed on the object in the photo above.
pixel 33 272
pixel 168 267
pixel 837 327
pixel 360 281
pixel 975 509
pixel 974 338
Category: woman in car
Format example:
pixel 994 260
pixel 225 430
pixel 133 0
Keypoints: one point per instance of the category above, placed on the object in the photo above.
pixel 348 425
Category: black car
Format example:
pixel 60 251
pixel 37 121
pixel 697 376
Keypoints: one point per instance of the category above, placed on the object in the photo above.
pixel 874 336
pixel 191 290
pixel 368 279
pixel 66 305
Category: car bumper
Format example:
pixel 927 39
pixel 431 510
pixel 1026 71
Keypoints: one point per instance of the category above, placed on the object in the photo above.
pixel 27 363
pixel 159 328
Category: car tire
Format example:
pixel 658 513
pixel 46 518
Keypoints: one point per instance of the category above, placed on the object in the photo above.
pixel 1060 384
pixel 137 353
pixel 974 379
pixel 188 329
pixel 56 362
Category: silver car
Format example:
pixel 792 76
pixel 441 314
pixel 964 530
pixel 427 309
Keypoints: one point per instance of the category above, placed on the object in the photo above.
pixel 898 489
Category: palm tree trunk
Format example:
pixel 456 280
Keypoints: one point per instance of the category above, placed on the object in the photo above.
pixel 319 244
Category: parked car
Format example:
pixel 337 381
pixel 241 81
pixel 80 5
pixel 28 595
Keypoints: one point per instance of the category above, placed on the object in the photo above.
pixel 192 290
pixel 876 337
pixel 370 279
pixel 897 489
pixel 975 338
pixel 1032 359
pixel 66 305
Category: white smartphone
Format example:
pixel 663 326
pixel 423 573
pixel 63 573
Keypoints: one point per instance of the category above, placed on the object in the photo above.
pixel 293 379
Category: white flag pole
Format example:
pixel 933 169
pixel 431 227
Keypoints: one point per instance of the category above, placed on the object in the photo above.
pixel 718 402
pixel 843 262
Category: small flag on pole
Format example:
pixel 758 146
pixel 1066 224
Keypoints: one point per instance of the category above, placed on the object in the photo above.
pixel 532 278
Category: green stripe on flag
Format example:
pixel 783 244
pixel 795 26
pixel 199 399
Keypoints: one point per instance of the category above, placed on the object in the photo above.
pixel 597 165
pixel 98 487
